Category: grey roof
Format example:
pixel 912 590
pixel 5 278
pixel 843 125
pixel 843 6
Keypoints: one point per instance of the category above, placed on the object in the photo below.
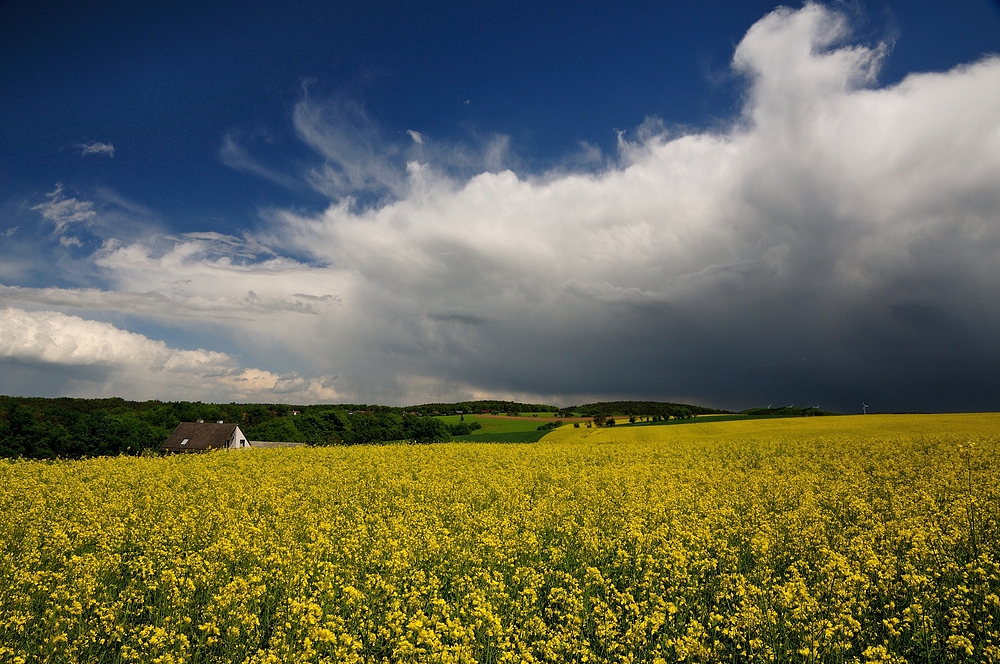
pixel 201 436
pixel 267 444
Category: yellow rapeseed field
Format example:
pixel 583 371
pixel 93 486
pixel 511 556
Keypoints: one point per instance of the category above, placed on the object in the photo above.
pixel 837 539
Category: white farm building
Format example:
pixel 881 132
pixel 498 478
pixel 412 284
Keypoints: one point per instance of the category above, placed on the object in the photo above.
pixel 202 437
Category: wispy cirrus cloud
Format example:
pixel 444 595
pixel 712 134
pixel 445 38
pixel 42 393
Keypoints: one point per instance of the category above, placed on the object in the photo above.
pixel 234 154
pixel 96 147
pixel 63 211
pixel 358 158
pixel 360 162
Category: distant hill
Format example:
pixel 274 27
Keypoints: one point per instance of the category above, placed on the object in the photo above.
pixel 639 408
pixel 786 411
pixel 642 408
pixel 482 406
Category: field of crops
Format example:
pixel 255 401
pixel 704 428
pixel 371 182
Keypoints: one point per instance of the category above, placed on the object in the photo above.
pixel 834 539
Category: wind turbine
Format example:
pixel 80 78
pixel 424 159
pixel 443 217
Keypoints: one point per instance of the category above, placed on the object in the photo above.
pixel 864 408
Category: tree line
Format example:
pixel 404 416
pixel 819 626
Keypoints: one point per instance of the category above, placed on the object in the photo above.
pixel 45 428
pixel 73 428
pixel 644 409
pixel 482 407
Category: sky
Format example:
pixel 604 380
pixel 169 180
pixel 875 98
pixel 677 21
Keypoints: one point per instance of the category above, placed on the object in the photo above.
pixel 729 204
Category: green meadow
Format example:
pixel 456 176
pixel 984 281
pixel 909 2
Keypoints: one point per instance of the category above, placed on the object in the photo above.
pixel 501 428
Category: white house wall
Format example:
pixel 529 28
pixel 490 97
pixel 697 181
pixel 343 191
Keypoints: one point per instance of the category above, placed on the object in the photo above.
pixel 234 442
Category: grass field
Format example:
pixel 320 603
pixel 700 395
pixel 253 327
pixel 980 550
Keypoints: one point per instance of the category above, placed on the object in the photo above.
pixel 501 428
pixel 835 539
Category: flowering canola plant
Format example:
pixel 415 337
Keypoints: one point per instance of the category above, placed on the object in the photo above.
pixel 828 539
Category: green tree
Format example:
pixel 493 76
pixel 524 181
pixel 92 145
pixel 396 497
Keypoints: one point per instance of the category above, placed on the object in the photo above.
pixel 20 433
pixel 324 427
pixel 461 429
pixel 277 430
pixel 426 429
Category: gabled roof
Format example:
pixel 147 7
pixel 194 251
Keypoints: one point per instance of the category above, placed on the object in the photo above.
pixel 200 436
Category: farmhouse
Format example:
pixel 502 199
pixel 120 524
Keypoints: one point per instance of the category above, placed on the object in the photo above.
pixel 202 437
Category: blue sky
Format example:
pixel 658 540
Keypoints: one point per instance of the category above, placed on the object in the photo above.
pixel 712 202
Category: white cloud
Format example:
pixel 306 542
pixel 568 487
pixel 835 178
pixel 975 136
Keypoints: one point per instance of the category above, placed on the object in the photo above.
pixel 185 301
pixel 805 228
pixel 96 147
pixel 839 239
pixel 211 276
pixel 136 366
pixel 54 337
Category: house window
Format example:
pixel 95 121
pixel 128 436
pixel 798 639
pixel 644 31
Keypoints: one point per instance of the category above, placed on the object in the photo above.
pixel 243 441
pixel 185 441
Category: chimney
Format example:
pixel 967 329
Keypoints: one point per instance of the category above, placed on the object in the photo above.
pixel 219 422
pixel 201 421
